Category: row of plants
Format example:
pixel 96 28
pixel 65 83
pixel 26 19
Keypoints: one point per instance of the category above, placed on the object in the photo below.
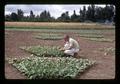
pixel 68 27
pixel 51 68
pixel 100 39
pixel 44 51
pixel 95 37
pixel 49 36
pixel 109 50
pixel 91 35
pixel 104 30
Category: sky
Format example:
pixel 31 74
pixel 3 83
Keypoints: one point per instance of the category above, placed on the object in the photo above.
pixel 55 10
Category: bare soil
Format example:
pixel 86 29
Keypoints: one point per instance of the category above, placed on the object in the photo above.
pixel 103 69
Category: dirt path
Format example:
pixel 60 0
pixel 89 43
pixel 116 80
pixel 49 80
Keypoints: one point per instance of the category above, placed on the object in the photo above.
pixel 105 64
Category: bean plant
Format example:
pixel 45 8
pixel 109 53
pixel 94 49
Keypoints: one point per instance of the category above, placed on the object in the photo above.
pixel 91 35
pixel 51 68
pixel 49 36
pixel 44 51
pixel 101 39
pixel 109 50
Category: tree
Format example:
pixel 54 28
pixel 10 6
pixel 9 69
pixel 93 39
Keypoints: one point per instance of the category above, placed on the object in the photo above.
pixel 97 13
pixel 83 14
pixel 61 18
pixel 91 12
pixel 75 17
pixel 32 16
pixel 48 16
pixel 52 19
pixel 20 14
pixel 45 16
pixel 107 13
pixel 7 18
pixel 37 18
pixel 14 17
pixel 64 17
pixel 111 12
pixel 67 17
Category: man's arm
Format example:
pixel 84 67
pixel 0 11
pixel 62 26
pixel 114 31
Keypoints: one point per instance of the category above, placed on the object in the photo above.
pixel 71 45
pixel 61 49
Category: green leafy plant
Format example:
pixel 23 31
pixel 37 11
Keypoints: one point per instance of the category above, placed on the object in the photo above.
pixel 91 35
pixel 109 50
pixel 49 36
pixel 51 68
pixel 44 51
pixel 101 39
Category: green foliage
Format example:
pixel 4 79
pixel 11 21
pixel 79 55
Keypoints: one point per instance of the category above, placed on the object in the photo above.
pixel 51 68
pixel 91 13
pixel 45 36
pixel 14 17
pixel 109 50
pixel 47 29
pixel 101 39
pixel 64 17
pixel 75 17
pixel 45 16
pixel 91 35
pixel 20 14
pixel 44 51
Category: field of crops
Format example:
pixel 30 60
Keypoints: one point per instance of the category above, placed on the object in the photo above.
pixel 37 44
pixel 49 62
pixel 51 68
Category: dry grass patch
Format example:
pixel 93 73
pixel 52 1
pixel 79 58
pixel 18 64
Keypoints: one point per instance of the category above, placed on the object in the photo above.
pixel 56 25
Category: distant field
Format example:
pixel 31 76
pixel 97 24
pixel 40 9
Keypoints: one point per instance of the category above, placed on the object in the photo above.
pixel 56 25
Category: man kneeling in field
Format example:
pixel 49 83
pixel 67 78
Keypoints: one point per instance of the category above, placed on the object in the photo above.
pixel 71 46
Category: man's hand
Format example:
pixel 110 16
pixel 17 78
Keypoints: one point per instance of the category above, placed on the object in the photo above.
pixel 61 49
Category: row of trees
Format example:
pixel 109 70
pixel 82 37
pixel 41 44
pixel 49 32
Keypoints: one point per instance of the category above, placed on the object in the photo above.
pixel 92 13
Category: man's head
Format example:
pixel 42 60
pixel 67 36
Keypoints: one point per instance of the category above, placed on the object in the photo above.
pixel 66 38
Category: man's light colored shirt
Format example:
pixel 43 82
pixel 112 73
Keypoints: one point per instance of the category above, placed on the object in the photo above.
pixel 72 43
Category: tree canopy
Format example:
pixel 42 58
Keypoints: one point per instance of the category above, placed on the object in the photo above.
pixel 91 13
